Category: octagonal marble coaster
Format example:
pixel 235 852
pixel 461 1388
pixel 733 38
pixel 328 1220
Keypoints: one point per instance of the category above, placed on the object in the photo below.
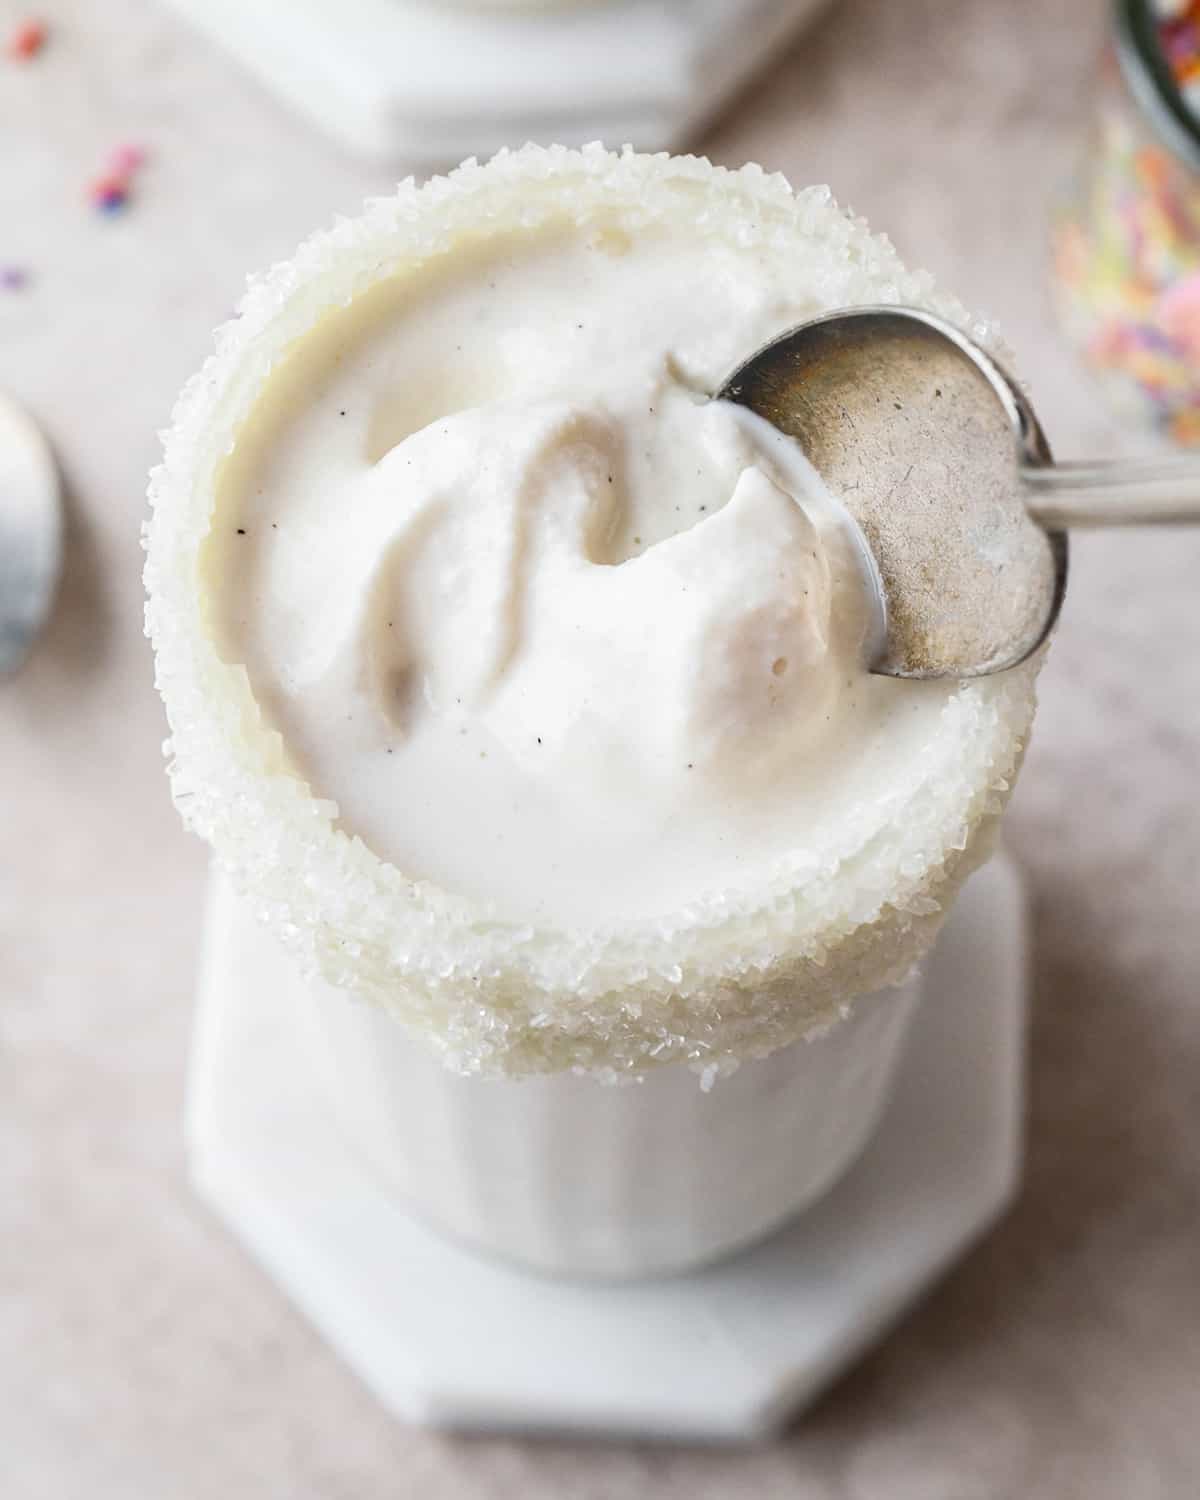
pixel 427 82
pixel 445 1336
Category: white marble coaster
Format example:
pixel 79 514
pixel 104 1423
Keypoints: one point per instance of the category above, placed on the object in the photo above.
pixel 424 83
pixel 445 1336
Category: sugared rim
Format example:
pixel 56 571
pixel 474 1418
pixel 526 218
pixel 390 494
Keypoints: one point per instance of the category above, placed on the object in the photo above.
pixel 733 975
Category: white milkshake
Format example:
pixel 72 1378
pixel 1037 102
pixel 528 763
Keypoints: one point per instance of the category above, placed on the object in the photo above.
pixel 519 686
pixel 553 629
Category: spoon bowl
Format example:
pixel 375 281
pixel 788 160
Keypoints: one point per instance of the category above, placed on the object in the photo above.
pixel 925 440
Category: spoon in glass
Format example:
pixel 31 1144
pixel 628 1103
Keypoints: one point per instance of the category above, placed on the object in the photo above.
pixel 938 456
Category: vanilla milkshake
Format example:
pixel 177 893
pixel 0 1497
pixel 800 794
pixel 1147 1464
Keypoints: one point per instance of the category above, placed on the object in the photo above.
pixel 552 628
pixel 519 686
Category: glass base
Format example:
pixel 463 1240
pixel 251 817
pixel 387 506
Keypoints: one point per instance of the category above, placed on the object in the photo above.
pixel 446 1336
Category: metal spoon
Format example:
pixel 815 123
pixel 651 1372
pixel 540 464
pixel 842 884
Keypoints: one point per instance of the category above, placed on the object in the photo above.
pixel 937 454
pixel 30 533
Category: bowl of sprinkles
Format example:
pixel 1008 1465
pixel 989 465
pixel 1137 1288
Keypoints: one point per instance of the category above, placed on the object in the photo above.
pixel 1127 237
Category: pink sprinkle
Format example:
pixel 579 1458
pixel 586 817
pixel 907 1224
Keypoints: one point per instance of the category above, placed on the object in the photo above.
pixel 27 40
pixel 1181 43
pixel 127 159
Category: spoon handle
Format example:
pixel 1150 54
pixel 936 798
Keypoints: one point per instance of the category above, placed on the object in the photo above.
pixel 1137 492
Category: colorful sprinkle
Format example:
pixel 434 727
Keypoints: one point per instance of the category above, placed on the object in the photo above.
pixel 14 278
pixel 27 40
pixel 1127 247
pixel 1179 37
pixel 127 159
pixel 112 191
pixel 109 194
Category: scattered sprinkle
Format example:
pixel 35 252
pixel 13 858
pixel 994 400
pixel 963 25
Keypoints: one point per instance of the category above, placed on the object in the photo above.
pixel 27 40
pixel 111 191
pixel 109 194
pixel 127 159
pixel 14 278
pixel 241 531
pixel 1127 251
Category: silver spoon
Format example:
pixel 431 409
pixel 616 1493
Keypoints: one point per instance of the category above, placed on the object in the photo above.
pixel 938 456
pixel 30 533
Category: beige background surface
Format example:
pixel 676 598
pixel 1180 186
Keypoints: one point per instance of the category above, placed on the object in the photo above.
pixel 141 1354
